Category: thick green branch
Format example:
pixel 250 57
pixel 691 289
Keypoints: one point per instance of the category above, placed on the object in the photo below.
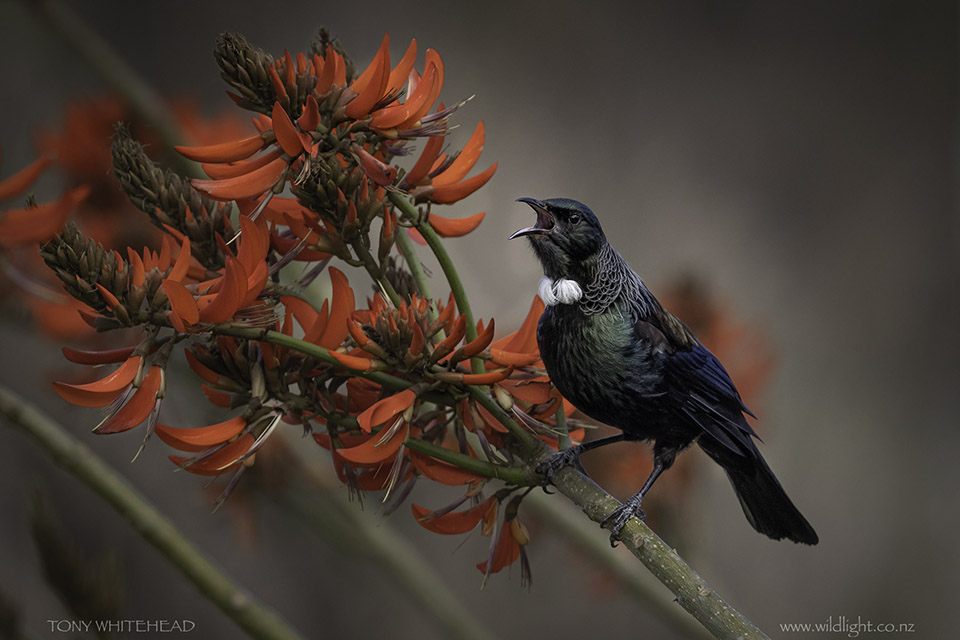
pixel 255 618
pixel 511 475
pixel 690 590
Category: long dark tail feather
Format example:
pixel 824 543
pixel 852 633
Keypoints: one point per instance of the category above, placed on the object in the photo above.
pixel 766 505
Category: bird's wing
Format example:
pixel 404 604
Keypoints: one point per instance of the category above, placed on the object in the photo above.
pixel 707 396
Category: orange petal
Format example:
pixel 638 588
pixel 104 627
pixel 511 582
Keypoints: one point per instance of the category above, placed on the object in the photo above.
pixel 474 347
pixel 422 167
pixel 223 152
pixel 180 267
pixel 454 522
pixel 455 227
pixel 487 378
pixel 182 302
pixel 442 472
pixel 203 372
pixel 246 186
pixel 373 451
pixel 385 410
pixel 137 408
pixel 324 70
pixel 342 305
pixel 217 398
pixel 225 303
pixel 101 392
pixel 524 340
pixel 287 134
pixel 221 461
pixel 200 438
pixel 377 170
pixel 21 180
pixel 79 356
pixel 232 170
pixel 459 190
pixel 310 118
pixel 507 358
pixel 111 299
pixel 372 82
pixel 413 108
pixel 532 392
pixel 353 362
pixel 400 72
pixel 465 160
pixel 31 225
pixel 506 552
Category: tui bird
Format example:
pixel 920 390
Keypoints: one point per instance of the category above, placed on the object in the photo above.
pixel 621 358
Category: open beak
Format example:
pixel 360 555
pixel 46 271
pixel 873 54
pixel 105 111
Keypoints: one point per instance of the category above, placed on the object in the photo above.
pixel 545 219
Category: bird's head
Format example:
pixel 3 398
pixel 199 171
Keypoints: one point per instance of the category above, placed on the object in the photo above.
pixel 566 238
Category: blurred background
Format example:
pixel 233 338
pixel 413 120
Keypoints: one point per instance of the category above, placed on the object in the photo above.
pixel 782 171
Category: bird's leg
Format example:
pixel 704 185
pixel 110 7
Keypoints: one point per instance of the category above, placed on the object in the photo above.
pixel 546 468
pixel 618 519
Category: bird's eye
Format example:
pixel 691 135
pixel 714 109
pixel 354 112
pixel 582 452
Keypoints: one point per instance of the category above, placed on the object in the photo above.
pixel 574 218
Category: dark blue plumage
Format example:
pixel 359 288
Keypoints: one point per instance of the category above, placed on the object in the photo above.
pixel 622 359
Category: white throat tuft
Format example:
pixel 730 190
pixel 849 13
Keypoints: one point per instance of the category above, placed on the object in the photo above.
pixel 560 291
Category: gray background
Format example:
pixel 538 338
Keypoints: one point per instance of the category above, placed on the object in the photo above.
pixel 798 157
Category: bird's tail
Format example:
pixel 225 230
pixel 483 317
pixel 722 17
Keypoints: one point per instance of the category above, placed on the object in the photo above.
pixel 766 505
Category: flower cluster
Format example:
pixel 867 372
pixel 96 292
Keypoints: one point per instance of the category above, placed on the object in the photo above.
pixel 401 389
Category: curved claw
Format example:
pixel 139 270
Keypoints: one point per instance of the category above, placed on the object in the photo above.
pixel 621 515
pixel 547 468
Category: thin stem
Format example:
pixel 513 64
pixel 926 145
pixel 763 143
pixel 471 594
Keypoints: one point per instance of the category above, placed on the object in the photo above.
pixel 376 272
pixel 582 535
pixel 405 244
pixel 482 397
pixel 449 271
pixel 511 475
pixel 690 590
pixel 258 620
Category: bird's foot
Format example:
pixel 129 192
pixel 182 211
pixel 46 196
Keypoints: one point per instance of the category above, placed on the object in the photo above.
pixel 547 468
pixel 621 515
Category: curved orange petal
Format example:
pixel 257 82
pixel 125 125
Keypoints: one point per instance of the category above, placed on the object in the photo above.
pixel 524 340
pixel 234 169
pixel 138 274
pixel 385 410
pixel 507 358
pixel 400 72
pixel 310 118
pixel 30 225
pixel 442 472
pixel 413 108
pixel 101 392
pixel 455 227
pixel 287 134
pixel 465 160
pixel 182 302
pixel 246 186
pixel 80 356
pixel 21 180
pixel 449 193
pixel 372 82
pixel 422 167
pixel 477 345
pixel 353 362
pixel 451 523
pixel 137 408
pixel 221 461
pixel 180 267
pixel 374 450
pixel 225 303
pixel 342 305
pixel 506 552
pixel 223 152
pixel 200 438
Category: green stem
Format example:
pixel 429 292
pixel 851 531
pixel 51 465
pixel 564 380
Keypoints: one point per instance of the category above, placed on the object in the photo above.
pixel 449 271
pixel 511 475
pixel 376 272
pixel 482 397
pixel 255 618
pixel 689 589
pixel 405 244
